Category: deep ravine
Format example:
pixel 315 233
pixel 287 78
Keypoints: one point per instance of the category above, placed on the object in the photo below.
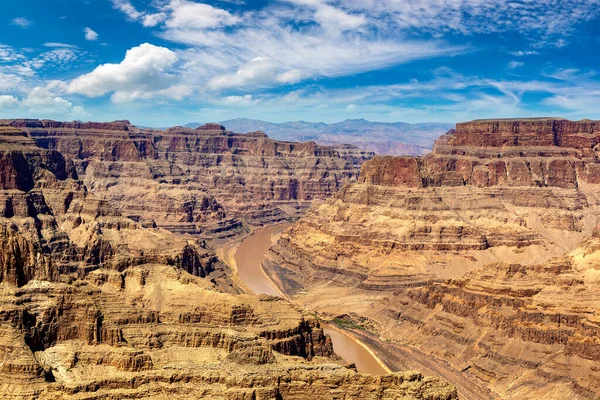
pixel 249 257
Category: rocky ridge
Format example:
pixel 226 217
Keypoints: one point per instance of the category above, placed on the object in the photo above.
pixel 95 304
pixel 481 254
pixel 395 138
pixel 51 223
pixel 206 181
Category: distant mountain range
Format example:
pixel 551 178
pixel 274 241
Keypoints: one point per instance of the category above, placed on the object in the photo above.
pixel 391 138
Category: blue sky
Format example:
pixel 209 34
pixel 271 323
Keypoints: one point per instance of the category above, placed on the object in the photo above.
pixel 168 62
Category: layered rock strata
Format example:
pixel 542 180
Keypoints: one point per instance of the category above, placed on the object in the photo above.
pixel 154 330
pixel 97 305
pixel 415 246
pixel 206 181
pixel 51 223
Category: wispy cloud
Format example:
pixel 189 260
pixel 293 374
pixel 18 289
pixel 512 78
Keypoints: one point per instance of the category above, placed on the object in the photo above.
pixel 9 54
pixel 61 55
pixel 569 74
pixel 90 34
pixel 20 70
pixel 148 19
pixel 546 17
pixel 448 96
pixel 515 64
pixel 521 53
pixel 21 22
pixel 267 47
pixel 290 41
pixel 61 45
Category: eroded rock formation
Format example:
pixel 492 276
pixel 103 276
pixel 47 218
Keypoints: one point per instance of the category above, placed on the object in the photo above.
pixel 96 304
pixel 51 223
pixel 205 181
pixel 481 254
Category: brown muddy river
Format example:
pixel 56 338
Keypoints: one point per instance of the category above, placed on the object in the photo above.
pixel 249 257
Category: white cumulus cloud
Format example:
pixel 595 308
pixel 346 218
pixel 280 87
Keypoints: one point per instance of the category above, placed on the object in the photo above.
pixel 40 103
pixel 8 101
pixel 189 14
pixel 143 73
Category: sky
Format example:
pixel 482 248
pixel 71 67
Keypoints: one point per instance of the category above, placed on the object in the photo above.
pixel 169 62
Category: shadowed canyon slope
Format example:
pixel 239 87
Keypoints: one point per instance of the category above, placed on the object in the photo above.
pixel 97 302
pixel 482 254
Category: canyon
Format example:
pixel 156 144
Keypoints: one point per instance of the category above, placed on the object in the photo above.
pixel 206 181
pixel 248 258
pixel 110 282
pixel 477 262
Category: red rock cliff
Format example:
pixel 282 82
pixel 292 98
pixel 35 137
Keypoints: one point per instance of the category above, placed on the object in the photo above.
pixel 539 153
pixel 206 181
pixel 483 254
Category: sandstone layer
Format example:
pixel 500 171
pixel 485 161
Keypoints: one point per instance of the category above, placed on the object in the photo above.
pixel 97 304
pixel 206 181
pixel 480 254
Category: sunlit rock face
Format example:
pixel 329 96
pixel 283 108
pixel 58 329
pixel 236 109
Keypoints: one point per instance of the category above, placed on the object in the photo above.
pixel 205 181
pixel 94 303
pixel 51 222
pixel 479 253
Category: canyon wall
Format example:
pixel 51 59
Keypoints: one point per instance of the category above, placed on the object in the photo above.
pixel 156 331
pixel 98 303
pixel 206 181
pixel 480 254
pixel 51 223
